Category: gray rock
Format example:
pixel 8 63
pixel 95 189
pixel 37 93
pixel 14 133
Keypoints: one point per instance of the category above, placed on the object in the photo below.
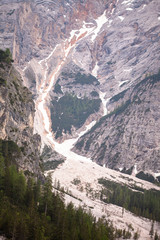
pixel 129 134
pixel 16 119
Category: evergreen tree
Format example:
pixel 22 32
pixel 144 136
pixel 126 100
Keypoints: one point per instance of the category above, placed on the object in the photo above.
pixel 151 233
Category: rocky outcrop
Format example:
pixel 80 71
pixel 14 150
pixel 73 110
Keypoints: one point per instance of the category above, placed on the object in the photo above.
pixel 129 135
pixel 16 118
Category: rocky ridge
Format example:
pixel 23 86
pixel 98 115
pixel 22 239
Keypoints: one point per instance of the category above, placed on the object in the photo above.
pixel 128 134
pixel 17 118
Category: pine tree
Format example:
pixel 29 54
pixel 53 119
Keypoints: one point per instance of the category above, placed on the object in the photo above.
pixel 151 233
pixel 47 192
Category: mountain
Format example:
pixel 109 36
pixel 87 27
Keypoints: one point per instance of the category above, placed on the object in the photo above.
pixel 81 59
pixel 92 70
pixel 128 136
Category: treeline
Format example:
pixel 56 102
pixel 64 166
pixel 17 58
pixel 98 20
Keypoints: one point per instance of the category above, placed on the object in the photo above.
pixel 71 111
pixel 30 210
pixel 142 202
pixel 6 56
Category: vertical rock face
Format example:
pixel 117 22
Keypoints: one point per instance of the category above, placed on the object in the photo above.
pixel 115 41
pixel 17 117
pixel 129 135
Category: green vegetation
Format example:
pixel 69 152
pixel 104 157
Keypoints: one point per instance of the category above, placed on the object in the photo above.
pixel 127 171
pixel 3 82
pixel 151 79
pixel 94 94
pixel 57 88
pixel 118 96
pixel 146 176
pixel 51 165
pixel 142 202
pixel 80 78
pixel 11 12
pixel 30 210
pixel 85 79
pixel 5 56
pixel 120 109
pixel 71 111
pixel 10 151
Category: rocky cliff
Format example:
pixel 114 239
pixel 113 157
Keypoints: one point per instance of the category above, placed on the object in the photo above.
pixel 129 135
pixel 83 53
pixel 17 111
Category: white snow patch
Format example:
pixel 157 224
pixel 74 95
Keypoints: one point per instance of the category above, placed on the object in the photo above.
pixel 109 23
pixel 100 22
pixel 65 147
pixel 41 61
pixel 127 70
pixel 104 102
pixel 42 112
pixel 121 18
pixel 142 8
pixel 135 169
pixel 95 70
pixel 24 68
pixel 121 83
pixel 127 2
pixel 157 174
pixel 129 9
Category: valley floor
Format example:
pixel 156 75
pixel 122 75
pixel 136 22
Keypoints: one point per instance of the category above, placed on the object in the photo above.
pixel 79 178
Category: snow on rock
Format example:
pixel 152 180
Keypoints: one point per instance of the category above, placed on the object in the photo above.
pixel 127 2
pixel 42 123
pixel 100 22
pixel 122 82
pixel 65 147
pixel 121 18
pixel 104 102
pixel 129 9
pixel 95 70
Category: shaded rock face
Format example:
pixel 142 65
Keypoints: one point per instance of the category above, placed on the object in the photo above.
pixel 16 118
pixel 129 135
pixel 119 55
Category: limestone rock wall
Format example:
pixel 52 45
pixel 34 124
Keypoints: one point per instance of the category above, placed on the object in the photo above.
pixel 16 118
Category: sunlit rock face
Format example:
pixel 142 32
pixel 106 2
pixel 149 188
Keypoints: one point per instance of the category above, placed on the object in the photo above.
pixel 60 46
pixel 129 135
